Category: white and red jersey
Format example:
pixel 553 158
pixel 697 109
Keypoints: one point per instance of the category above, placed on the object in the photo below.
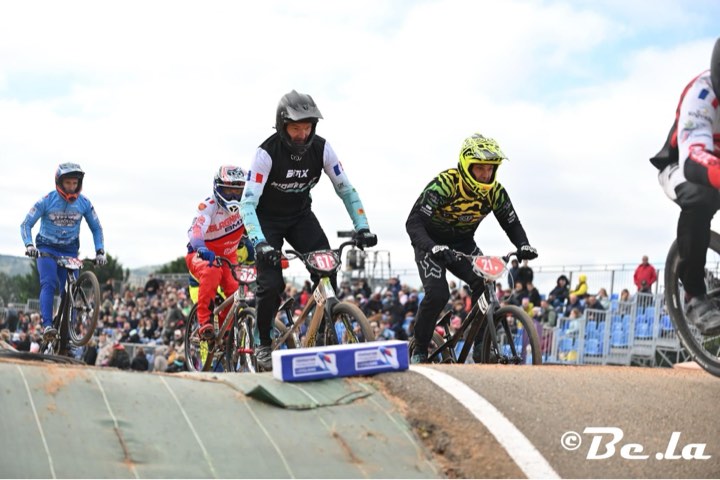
pixel 694 139
pixel 216 228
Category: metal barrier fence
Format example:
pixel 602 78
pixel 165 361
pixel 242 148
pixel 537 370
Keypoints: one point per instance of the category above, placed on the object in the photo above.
pixel 638 332
pixel 614 278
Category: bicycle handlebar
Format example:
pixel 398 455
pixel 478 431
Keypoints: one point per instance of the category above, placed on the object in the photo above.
pixel 219 261
pixel 58 257
pixel 291 254
pixel 506 258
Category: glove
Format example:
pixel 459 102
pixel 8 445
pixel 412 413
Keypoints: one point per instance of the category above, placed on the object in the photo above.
pixel 206 254
pixel 31 251
pixel 363 238
pixel 443 254
pixel 100 257
pixel 265 252
pixel 526 252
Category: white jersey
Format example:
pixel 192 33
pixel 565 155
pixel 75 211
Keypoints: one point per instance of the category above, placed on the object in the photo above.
pixel 215 228
pixel 692 149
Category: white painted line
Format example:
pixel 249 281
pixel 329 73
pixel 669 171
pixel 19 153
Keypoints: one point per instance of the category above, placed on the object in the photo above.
pixel 114 419
pixel 37 422
pixel 520 449
pixel 306 393
pixel 270 439
pixel 192 428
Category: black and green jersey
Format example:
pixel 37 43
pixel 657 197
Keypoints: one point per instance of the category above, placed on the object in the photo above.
pixel 447 214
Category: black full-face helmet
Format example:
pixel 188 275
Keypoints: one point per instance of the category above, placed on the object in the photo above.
pixel 296 107
pixel 715 68
pixel 69 170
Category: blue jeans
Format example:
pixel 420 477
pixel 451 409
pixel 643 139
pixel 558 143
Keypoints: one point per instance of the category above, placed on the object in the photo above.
pixel 52 278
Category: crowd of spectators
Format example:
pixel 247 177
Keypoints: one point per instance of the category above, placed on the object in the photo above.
pixel 152 317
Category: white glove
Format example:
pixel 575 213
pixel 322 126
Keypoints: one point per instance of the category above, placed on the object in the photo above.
pixel 100 258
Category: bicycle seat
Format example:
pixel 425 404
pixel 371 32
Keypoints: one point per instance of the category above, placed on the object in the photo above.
pixel 445 319
pixel 289 303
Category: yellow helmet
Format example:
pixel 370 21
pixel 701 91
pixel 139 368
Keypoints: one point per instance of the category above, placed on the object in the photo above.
pixel 480 150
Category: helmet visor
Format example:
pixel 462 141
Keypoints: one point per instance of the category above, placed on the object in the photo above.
pixel 231 192
pixel 483 173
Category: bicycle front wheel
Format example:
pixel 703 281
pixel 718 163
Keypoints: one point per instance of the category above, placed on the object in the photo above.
pixel 517 339
pixel 350 325
pixel 704 350
pixel 195 350
pixel 242 353
pixel 85 308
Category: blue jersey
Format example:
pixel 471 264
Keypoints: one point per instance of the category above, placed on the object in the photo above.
pixel 60 223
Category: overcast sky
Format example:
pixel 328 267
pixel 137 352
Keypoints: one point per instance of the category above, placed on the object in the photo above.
pixel 151 97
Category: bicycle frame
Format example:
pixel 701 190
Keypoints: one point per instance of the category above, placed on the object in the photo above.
pixel 483 309
pixel 324 297
pixel 61 320
pixel 481 314
pixel 237 302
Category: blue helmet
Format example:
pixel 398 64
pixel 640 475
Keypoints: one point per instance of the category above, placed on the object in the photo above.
pixel 228 187
pixel 69 170
pixel 296 107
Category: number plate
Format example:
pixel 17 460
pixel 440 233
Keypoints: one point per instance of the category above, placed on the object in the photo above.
pixel 246 274
pixel 71 263
pixel 489 267
pixel 325 261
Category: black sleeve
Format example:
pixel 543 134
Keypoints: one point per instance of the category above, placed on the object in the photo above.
pixel 420 214
pixel 508 219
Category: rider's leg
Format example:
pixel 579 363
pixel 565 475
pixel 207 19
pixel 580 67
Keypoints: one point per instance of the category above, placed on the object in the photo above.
pixel 209 279
pixel 693 237
pixel 464 271
pixel 698 205
pixel 49 282
pixel 229 285
pixel 270 285
pixel 437 293
pixel 306 235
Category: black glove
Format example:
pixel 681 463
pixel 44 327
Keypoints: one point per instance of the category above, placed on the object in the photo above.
pixel 264 252
pixel 442 254
pixel 526 252
pixel 31 251
pixel 363 238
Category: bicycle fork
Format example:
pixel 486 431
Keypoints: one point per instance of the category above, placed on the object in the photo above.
pixel 325 301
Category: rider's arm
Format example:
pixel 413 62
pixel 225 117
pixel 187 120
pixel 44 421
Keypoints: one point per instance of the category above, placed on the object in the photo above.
pixel 697 153
pixel 507 217
pixel 257 176
pixel 200 224
pixel 431 199
pixel 94 223
pixel 344 188
pixel 31 219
